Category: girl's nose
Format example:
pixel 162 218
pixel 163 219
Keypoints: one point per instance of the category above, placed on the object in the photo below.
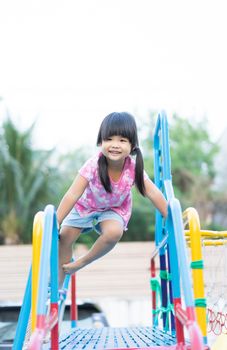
pixel 115 145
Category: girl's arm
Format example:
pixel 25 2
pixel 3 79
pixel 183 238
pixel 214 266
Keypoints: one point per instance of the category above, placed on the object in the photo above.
pixel 74 192
pixel 156 197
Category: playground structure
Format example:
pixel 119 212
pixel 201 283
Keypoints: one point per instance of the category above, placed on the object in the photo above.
pixel 180 316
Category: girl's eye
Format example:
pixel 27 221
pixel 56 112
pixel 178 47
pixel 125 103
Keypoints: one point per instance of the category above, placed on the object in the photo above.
pixel 123 140
pixel 108 139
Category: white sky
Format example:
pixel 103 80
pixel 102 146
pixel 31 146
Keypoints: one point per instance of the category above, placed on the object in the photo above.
pixel 67 64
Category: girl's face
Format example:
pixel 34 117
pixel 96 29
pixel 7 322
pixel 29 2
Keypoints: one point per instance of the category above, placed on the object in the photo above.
pixel 116 148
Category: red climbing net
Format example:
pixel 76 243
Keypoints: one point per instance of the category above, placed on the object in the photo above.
pixel 217 321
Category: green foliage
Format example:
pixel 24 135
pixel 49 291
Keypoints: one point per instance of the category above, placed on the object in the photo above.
pixel 191 148
pixel 192 158
pixel 141 224
pixel 88 238
pixel 27 182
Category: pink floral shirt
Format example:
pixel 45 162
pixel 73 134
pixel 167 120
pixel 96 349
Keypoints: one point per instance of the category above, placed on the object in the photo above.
pixel 95 198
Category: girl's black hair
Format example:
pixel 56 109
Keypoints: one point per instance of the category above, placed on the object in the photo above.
pixel 122 124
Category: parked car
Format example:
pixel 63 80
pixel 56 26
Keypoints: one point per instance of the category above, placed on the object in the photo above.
pixel 89 315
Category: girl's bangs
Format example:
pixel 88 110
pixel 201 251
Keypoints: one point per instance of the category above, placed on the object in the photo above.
pixel 118 128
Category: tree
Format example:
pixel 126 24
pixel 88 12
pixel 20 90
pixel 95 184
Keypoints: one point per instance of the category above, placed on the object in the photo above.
pixel 27 182
pixel 193 164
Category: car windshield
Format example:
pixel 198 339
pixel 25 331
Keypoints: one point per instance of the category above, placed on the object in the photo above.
pixel 7 332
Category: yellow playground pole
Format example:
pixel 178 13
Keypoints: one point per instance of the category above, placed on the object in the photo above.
pixel 192 218
pixel 36 249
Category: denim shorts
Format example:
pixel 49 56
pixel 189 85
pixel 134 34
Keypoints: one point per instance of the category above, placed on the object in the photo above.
pixel 90 221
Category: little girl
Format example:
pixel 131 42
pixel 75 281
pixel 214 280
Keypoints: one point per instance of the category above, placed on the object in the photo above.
pixel 100 196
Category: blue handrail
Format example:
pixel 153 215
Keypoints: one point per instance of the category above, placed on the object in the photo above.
pixel 48 269
pixel 161 147
pixel 173 227
pixel 49 260
pixel 178 227
pixel 23 316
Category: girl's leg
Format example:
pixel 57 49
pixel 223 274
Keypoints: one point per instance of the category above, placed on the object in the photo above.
pixel 68 236
pixel 112 231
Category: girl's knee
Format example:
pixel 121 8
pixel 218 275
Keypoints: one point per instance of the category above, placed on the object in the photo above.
pixel 68 235
pixel 113 235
